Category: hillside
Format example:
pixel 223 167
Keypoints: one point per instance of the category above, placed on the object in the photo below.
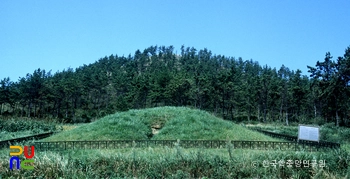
pixel 236 89
pixel 159 123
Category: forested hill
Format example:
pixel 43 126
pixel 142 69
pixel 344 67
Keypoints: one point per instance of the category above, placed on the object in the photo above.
pixel 235 89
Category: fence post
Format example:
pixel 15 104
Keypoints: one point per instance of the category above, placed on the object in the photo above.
pixel 303 145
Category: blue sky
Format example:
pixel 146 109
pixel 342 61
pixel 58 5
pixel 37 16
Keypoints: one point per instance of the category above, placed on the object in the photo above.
pixel 55 35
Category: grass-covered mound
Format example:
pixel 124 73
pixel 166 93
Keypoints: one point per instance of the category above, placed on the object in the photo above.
pixel 167 123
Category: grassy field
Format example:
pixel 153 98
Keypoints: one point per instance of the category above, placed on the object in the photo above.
pixel 180 163
pixel 176 162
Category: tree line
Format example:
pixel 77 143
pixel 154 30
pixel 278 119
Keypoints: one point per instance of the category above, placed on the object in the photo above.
pixel 232 88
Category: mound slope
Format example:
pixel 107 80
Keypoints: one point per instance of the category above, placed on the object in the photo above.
pixel 166 122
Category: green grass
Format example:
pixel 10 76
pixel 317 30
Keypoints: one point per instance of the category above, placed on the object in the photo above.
pixel 177 163
pixel 15 128
pixel 175 122
pixel 11 135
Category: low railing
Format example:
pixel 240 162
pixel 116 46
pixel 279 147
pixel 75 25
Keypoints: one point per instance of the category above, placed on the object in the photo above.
pixel 115 144
pixel 294 144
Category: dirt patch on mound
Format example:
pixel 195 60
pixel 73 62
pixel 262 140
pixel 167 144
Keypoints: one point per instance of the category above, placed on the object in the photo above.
pixel 156 128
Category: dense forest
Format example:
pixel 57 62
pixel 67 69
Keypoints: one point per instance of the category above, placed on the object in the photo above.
pixel 232 88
